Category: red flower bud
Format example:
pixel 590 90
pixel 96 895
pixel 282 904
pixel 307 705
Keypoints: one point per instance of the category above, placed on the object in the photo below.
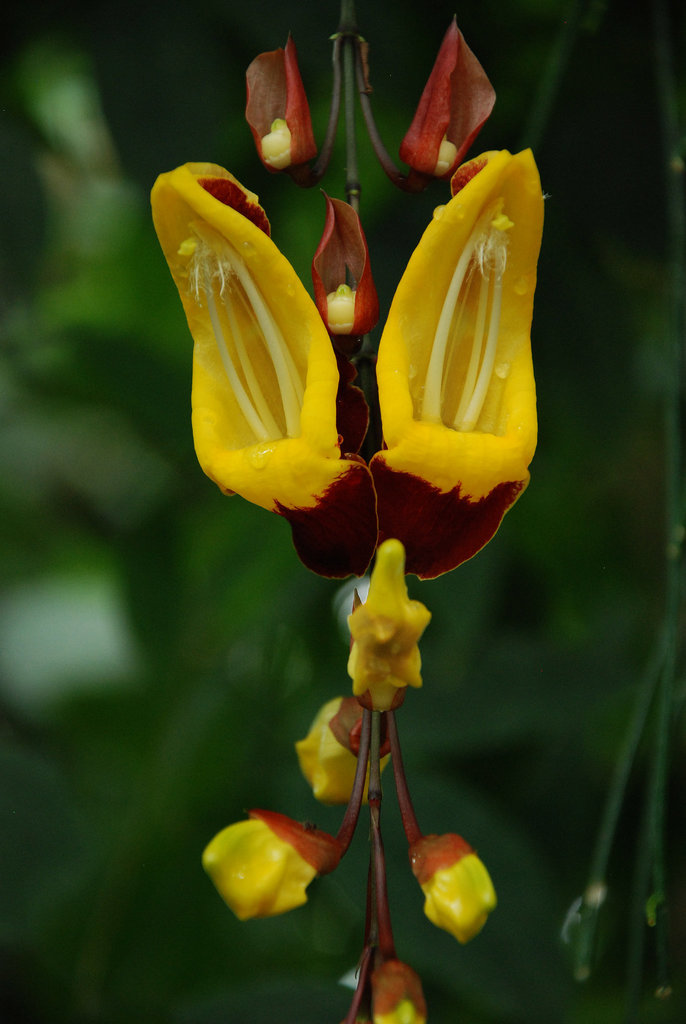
pixel 457 100
pixel 397 995
pixel 277 110
pixel 344 290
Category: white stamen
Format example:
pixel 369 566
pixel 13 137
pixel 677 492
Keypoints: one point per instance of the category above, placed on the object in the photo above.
pixel 481 265
pixel 244 403
pixel 468 422
pixel 250 376
pixel 431 405
pixel 212 269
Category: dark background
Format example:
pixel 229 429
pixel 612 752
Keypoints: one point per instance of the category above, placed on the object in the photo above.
pixel 161 647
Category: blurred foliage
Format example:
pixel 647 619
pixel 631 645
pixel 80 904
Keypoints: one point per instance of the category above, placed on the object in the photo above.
pixel 161 647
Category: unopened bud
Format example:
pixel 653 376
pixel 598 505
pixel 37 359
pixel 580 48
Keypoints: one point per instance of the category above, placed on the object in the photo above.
pixel 447 156
pixel 340 310
pixel 276 145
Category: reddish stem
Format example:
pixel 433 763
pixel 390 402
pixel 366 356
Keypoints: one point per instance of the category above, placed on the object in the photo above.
pixel 409 818
pixel 352 813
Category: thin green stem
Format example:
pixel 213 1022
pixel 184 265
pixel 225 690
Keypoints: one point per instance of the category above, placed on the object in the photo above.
pixel 676 233
pixel 594 893
pixel 549 82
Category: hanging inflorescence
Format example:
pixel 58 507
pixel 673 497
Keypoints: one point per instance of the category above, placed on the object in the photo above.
pixel 413 471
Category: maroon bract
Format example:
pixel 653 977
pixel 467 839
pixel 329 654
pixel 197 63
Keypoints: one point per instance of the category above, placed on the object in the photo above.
pixel 277 110
pixel 457 100
pixel 344 290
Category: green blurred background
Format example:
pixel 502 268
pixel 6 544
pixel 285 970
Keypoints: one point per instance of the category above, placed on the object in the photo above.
pixel 161 647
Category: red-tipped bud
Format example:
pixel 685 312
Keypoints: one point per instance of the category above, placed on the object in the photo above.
pixel 318 848
pixel 343 286
pixel 457 100
pixel 458 889
pixel 397 996
pixel 277 110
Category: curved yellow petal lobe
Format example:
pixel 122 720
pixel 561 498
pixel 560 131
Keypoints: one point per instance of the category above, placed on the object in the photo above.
pixel 264 373
pixel 456 384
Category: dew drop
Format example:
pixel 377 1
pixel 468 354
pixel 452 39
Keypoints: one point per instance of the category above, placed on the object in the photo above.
pixel 502 370
pixel 438 212
pixel 290 289
pixel 248 250
pixel 521 285
pixel 259 457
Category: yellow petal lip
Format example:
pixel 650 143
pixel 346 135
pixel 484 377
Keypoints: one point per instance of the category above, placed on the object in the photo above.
pixel 265 376
pixel 328 766
pixel 256 873
pixel 460 898
pixel 434 427
pixel 411 328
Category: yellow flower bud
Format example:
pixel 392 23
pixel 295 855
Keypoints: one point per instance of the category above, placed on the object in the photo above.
pixel 458 889
pixel 340 309
pixel 276 145
pixel 326 763
pixel 385 657
pixel 256 873
pixel 447 157
pixel 262 867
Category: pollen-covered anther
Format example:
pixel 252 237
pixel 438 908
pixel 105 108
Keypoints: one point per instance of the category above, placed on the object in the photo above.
pixel 276 145
pixel 340 309
pixel 447 155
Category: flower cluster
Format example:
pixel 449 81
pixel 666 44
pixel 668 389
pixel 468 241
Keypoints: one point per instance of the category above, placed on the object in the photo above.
pixel 414 474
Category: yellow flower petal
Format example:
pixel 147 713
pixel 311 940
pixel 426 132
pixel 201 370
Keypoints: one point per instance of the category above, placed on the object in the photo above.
pixel 264 373
pixel 456 385
pixel 256 873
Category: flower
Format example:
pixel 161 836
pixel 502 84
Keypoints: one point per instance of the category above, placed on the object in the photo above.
pixel 265 376
pixel 397 996
pixel 276 418
pixel 277 110
pixel 457 100
pixel 384 657
pixel 458 889
pixel 328 754
pixel 262 867
pixel 455 377
pixel 342 254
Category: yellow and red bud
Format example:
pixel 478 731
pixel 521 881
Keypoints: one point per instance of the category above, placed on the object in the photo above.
pixel 277 110
pixel 456 102
pixel 262 867
pixel 397 996
pixel 459 894
pixel 328 754
pixel 344 290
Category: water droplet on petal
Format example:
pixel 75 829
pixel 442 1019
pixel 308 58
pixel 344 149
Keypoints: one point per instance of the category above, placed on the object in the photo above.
pixel 521 285
pixel 248 250
pixel 438 212
pixel 290 289
pixel 502 370
pixel 259 457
